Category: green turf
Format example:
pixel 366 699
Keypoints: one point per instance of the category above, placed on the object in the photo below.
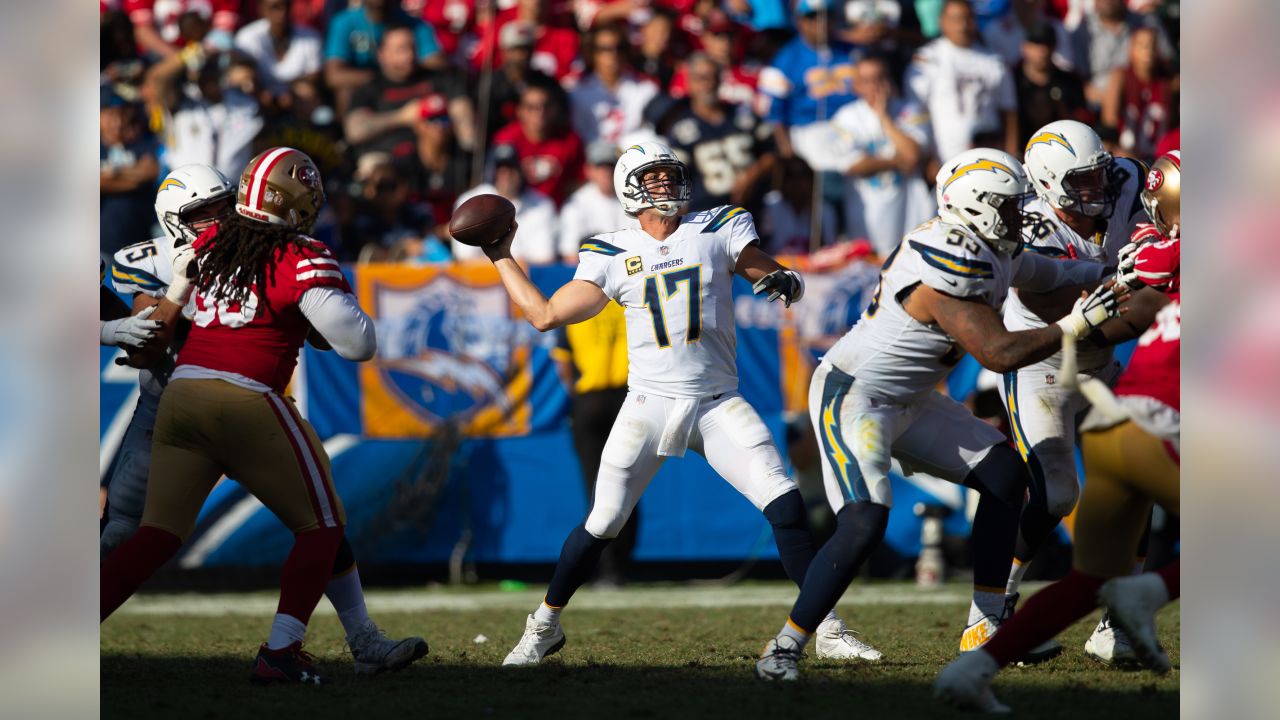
pixel 643 663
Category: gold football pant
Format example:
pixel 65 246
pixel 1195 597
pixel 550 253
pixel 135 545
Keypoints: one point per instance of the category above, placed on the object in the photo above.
pixel 1126 470
pixel 209 428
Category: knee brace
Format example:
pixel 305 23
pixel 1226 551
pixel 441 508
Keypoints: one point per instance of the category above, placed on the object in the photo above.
pixel 1001 474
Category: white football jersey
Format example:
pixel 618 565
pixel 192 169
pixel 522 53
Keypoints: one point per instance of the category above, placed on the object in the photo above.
pixel 892 355
pixel 963 89
pixel 1045 234
pixel 678 299
pixel 147 268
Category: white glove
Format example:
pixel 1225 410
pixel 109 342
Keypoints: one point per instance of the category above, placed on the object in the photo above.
pixel 180 287
pixel 133 332
pixel 1126 274
pixel 1090 311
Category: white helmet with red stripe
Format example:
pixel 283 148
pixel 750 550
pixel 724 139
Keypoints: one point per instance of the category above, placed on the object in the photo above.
pixel 281 186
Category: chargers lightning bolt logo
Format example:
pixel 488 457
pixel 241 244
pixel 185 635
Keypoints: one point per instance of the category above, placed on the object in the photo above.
pixel 1049 138
pixel 836 446
pixel 980 165
pixel 172 182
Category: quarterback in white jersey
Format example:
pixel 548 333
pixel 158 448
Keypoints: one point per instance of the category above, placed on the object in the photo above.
pixel 673 277
pixel 873 397
pixel 1087 206
pixel 189 200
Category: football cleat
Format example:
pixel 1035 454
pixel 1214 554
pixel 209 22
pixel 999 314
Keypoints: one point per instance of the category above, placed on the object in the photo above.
pixel 780 660
pixel 966 684
pixel 1132 603
pixel 980 633
pixel 1110 645
pixel 834 640
pixel 540 639
pixel 374 652
pixel 289 664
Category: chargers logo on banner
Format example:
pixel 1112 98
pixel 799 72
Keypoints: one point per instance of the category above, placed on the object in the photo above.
pixel 451 347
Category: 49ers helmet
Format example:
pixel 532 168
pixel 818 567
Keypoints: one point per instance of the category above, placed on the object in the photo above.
pixel 281 186
pixel 1162 194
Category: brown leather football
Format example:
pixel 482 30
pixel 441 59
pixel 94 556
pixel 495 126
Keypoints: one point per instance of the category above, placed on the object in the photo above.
pixel 482 220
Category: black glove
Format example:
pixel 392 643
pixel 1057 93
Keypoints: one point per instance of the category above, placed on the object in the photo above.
pixel 785 284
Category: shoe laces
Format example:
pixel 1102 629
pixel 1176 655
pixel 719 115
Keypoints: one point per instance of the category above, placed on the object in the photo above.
pixel 364 637
pixel 786 654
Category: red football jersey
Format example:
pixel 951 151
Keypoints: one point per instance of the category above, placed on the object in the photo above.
pixel 552 167
pixel 260 340
pixel 1158 265
pixel 1155 368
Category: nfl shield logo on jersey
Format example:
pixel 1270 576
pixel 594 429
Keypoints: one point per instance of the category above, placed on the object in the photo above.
pixel 663 250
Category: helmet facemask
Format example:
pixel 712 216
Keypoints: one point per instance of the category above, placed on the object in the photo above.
pixel 664 194
pixel 206 211
pixel 1005 234
pixel 1093 190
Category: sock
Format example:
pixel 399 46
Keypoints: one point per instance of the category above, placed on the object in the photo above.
pixel 995 530
pixel 1171 574
pixel 347 596
pixel 546 613
pixel 578 559
pixel 985 603
pixel 1016 573
pixel 131 564
pixel 1044 615
pixel 859 529
pixel 306 571
pixel 791 533
pixel 794 632
pixel 285 631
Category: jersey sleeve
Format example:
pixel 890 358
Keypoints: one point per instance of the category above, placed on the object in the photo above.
pixel 129 277
pixel 1040 236
pixel 313 266
pixel 1158 264
pixel 595 255
pixel 735 227
pixel 959 271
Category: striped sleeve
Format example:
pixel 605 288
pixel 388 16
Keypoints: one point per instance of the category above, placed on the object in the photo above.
pixel 956 273
pixel 131 280
pixel 315 267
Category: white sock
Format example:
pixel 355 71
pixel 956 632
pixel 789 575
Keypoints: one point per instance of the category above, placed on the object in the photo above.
pixel 794 632
pixel 347 597
pixel 831 615
pixel 1016 573
pixel 985 603
pixel 546 613
pixel 285 631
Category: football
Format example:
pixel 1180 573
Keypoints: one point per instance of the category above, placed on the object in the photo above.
pixel 482 220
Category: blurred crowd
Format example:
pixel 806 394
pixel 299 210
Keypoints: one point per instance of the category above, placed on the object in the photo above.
pixel 825 118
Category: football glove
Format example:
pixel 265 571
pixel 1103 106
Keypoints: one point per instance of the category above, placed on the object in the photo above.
pixel 131 332
pixel 1091 311
pixel 1126 274
pixel 785 284
pixel 183 268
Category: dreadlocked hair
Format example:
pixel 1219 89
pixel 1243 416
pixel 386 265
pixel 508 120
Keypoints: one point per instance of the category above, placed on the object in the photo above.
pixel 241 255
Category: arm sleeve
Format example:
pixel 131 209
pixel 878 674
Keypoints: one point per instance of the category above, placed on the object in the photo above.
pixel 335 42
pixel 1038 273
pixel 315 267
pixel 337 316
pixel 954 271
pixel 594 268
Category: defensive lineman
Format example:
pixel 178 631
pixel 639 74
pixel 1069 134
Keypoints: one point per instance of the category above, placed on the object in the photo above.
pixel 1087 206
pixel 872 398
pixel 673 277
pixel 192 198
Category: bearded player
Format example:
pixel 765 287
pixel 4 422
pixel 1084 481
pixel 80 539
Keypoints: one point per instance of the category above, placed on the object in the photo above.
pixel 673 276
pixel 1131 443
pixel 1088 204
pixel 873 397
pixel 259 286
pixel 191 199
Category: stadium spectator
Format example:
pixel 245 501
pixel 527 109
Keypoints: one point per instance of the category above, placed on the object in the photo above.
pixel 888 139
pixel 659 46
pixel 760 15
pixel 514 75
pixel 550 153
pixel 888 28
pixel 1045 91
pixel 206 120
pixel 536 214
pixel 386 223
pixel 787 221
pixel 593 208
pixel 1140 97
pixel 804 87
pixel 1172 140
pixel 164 30
pixel 729 151
pixel 554 49
pixel 1100 43
pixel 1006 34
pixel 354 37
pixel 284 50
pixel 127 176
pixel 967 90
pixel 453 21
pixel 737 80
pixel 609 101
pixel 392 112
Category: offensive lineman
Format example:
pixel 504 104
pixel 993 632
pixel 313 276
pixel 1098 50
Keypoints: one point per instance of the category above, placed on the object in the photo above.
pixel 1088 205
pixel 872 399
pixel 673 276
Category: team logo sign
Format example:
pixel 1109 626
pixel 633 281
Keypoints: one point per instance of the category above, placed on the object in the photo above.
pixel 1155 179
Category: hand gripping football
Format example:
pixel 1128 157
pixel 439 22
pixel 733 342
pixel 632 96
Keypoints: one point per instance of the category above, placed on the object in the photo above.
pixel 482 220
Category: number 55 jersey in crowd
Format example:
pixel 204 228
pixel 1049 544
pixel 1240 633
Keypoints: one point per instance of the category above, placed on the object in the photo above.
pixel 678 300
pixel 255 344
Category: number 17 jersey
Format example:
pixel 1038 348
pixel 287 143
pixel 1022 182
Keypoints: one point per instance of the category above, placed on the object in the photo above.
pixel 677 296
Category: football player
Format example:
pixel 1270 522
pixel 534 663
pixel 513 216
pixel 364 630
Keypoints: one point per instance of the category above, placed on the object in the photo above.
pixel 873 398
pixel 673 276
pixel 1131 445
pixel 1088 204
pixel 261 287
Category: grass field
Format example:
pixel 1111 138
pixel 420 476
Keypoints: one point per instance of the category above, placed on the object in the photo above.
pixel 646 652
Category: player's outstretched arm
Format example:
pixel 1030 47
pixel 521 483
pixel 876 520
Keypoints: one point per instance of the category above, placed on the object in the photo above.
pixel 576 301
pixel 767 275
